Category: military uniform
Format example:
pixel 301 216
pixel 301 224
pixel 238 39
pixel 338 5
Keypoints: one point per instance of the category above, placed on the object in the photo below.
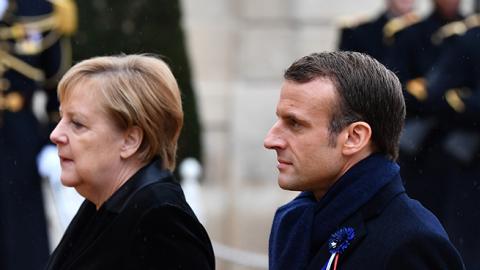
pixel 453 89
pixel 373 37
pixel 413 55
pixel 33 56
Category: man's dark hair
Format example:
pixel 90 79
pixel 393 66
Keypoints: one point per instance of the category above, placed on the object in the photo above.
pixel 367 92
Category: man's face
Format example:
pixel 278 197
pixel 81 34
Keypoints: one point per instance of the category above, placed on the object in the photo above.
pixel 307 160
pixel 400 7
pixel 448 8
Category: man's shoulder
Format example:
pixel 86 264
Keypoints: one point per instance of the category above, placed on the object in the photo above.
pixel 416 29
pixel 394 219
pixel 406 217
pixel 402 235
pixel 400 24
pixel 416 237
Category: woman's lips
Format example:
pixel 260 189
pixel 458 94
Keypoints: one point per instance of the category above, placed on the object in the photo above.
pixel 65 160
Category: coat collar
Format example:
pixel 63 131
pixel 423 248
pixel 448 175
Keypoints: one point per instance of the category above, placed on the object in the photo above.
pixel 303 225
pixel 147 175
pixel 152 173
pixel 357 221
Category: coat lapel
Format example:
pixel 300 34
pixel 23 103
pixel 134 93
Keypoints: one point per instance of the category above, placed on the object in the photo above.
pixel 358 222
pixel 75 226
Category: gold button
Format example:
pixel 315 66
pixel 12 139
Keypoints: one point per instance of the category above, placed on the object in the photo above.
pixel 13 102
pixel 417 88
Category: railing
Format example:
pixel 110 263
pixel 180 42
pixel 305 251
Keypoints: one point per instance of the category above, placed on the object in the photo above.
pixel 190 171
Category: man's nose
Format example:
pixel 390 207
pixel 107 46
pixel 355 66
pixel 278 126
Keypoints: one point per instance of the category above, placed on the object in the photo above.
pixel 274 139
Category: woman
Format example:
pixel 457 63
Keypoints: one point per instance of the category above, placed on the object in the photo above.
pixel 117 137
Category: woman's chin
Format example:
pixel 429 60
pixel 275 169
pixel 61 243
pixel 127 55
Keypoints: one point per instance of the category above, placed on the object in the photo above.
pixel 68 181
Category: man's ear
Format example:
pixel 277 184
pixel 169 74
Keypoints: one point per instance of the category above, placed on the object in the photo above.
pixel 133 137
pixel 359 136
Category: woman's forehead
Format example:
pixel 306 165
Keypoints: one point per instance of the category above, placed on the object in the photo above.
pixel 83 86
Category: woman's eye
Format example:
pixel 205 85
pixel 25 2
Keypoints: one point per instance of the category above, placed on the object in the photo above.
pixel 77 124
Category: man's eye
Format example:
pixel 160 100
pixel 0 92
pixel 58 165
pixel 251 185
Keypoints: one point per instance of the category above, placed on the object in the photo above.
pixel 293 123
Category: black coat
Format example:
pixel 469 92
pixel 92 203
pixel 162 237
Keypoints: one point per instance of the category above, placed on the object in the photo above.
pixel 394 232
pixel 146 224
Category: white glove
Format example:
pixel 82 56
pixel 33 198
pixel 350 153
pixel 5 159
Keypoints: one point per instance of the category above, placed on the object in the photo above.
pixel 190 171
pixel 66 200
pixel 48 164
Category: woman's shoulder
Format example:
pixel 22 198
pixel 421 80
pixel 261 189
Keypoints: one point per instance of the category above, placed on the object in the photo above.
pixel 165 229
pixel 161 195
pixel 175 238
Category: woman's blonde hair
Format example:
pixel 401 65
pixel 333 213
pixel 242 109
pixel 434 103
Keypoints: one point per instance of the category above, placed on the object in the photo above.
pixel 135 90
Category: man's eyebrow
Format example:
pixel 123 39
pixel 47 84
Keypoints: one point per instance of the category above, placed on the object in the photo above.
pixel 295 117
pixel 290 115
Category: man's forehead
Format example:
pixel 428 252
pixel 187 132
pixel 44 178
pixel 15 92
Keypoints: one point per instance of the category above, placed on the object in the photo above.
pixel 313 93
pixel 311 101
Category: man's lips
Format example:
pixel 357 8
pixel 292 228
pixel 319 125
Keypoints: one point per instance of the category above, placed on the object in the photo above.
pixel 283 164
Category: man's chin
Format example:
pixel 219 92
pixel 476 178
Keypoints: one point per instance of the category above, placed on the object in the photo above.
pixel 286 184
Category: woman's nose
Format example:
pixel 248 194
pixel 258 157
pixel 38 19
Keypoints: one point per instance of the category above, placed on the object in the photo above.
pixel 58 136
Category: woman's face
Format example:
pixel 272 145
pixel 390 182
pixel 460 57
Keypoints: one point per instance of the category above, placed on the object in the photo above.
pixel 88 144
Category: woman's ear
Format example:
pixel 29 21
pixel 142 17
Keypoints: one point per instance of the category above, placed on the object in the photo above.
pixel 132 140
pixel 359 136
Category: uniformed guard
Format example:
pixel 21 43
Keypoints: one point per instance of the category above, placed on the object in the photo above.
pixel 374 37
pixel 414 52
pixel 453 93
pixel 33 55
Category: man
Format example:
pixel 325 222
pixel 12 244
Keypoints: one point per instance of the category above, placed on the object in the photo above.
pixel 415 49
pixel 375 37
pixel 34 52
pixel 340 115
pixel 454 94
pixel 413 56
